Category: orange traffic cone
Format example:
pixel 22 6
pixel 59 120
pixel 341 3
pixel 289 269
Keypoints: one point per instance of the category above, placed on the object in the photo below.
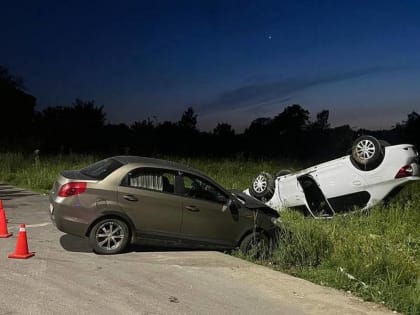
pixel 22 250
pixel 3 222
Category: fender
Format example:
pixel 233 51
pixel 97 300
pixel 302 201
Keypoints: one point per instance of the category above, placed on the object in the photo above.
pixel 117 214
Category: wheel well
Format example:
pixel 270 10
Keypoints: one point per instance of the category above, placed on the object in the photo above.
pixel 113 216
pixel 371 167
pixel 258 229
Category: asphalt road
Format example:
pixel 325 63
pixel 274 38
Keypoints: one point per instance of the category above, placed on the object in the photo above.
pixel 65 277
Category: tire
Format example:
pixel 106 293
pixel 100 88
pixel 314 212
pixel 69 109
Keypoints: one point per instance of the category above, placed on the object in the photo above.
pixel 367 152
pixel 256 245
pixel 262 186
pixel 283 172
pixel 109 236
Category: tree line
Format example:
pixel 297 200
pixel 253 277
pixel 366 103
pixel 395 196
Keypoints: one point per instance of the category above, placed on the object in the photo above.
pixel 82 127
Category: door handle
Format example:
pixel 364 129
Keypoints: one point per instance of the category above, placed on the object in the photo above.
pixel 130 198
pixel 192 208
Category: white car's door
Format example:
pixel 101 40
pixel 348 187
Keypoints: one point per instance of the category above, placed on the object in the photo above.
pixel 342 185
pixel 288 193
pixel 337 178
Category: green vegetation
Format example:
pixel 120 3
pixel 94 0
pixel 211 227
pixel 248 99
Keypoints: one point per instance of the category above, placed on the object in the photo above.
pixel 374 254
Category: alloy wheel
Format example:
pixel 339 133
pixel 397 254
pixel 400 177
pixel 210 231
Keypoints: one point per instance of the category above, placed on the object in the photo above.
pixel 365 149
pixel 109 235
pixel 260 183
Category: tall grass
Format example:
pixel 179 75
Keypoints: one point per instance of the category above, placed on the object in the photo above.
pixel 374 254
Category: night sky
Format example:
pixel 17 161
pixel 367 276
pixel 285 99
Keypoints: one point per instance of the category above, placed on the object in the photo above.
pixel 232 61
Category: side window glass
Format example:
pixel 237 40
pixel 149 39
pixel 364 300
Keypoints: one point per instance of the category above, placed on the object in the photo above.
pixel 151 179
pixel 200 189
pixel 168 182
pixel 190 186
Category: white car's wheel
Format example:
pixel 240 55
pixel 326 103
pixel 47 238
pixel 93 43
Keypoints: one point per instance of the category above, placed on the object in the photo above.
pixel 367 152
pixel 262 186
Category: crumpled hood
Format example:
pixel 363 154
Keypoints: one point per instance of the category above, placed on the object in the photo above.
pixel 254 204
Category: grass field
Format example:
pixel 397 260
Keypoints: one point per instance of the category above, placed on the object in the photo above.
pixel 374 254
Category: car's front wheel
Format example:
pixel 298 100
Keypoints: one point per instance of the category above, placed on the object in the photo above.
pixel 109 236
pixel 367 152
pixel 256 245
pixel 262 186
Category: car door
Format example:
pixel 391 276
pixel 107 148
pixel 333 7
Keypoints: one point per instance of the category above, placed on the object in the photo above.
pixel 206 216
pixel 147 196
pixel 336 178
pixel 342 185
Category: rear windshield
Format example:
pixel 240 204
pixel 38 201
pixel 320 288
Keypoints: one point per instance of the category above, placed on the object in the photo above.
pixel 101 169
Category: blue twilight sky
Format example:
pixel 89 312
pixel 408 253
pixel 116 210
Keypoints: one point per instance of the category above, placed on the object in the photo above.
pixel 232 61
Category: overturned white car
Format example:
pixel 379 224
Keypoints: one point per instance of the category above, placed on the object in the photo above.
pixel 372 172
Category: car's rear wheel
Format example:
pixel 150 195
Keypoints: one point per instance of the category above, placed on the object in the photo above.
pixel 256 245
pixel 109 236
pixel 367 152
pixel 262 186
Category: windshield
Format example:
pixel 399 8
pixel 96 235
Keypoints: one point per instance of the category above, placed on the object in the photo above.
pixel 101 169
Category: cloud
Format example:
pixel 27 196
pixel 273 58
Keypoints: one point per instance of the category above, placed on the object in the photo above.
pixel 256 96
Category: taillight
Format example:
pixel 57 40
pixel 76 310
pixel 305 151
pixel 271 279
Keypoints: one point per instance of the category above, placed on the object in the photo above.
pixel 405 171
pixel 72 188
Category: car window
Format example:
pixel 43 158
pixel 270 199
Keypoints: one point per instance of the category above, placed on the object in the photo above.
pixel 195 187
pixel 151 179
pixel 101 169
